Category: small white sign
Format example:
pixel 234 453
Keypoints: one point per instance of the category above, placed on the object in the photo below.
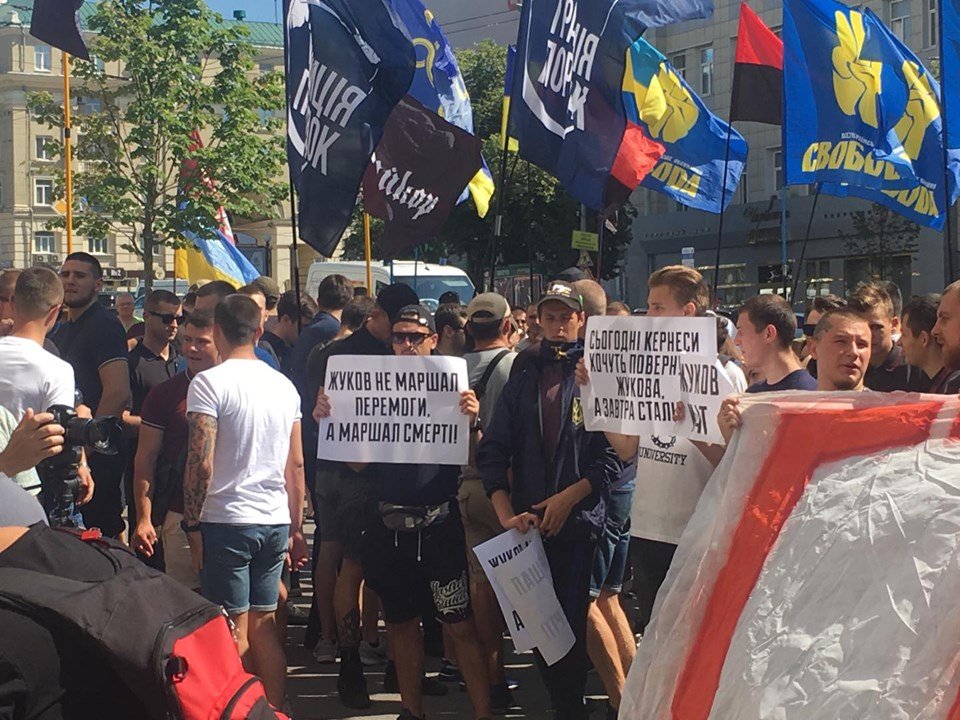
pixel 516 564
pixel 704 385
pixel 395 409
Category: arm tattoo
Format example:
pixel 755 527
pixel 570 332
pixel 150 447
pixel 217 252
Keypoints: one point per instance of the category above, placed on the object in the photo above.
pixel 199 470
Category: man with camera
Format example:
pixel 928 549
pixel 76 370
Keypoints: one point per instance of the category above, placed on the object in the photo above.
pixel 30 377
pixel 94 344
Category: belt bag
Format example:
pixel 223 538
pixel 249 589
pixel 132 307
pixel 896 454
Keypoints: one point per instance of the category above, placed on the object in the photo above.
pixel 411 518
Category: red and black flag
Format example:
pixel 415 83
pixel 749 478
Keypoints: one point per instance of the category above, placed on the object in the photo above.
pixel 758 72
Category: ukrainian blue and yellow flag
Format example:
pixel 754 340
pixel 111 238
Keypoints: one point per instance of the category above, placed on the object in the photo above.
pixel 214 258
pixel 691 170
pixel 438 85
pixel 512 145
pixel 862 113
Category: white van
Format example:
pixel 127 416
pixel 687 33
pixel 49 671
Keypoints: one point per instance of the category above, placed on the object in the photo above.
pixel 429 280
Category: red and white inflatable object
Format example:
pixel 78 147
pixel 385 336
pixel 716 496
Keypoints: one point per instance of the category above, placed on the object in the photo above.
pixel 819 578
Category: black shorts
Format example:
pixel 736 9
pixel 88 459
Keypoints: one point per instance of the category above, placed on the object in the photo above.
pixel 412 572
pixel 344 505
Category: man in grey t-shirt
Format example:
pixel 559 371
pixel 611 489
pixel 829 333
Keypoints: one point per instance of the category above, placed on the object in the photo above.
pixel 488 366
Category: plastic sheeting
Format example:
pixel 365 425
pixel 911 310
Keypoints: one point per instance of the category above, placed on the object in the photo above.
pixel 820 575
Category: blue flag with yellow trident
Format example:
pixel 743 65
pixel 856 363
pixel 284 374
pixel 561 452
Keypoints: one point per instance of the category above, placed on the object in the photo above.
pixel 438 84
pixel 858 102
pixel 920 129
pixel 691 170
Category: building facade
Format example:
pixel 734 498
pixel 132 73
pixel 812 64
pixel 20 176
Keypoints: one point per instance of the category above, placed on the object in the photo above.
pixel 750 261
pixel 28 168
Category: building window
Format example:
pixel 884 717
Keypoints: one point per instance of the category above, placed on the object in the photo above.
pixel 97 63
pixel 97 246
pixel 706 71
pixel 744 189
pixel 44 242
pixel 680 207
pixel 679 62
pixel 933 20
pixel 777 156
pixel 41 57
pixel 900 18
pixel 88 106
pixel 41 149
pixel 43 191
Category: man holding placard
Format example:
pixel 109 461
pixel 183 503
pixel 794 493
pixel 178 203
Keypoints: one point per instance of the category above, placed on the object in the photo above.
pixel 414 550
pixel 671 470
pixel 561 477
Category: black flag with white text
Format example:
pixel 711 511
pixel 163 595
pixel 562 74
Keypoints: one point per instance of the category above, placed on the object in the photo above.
pixel 418 171
pixel 348 63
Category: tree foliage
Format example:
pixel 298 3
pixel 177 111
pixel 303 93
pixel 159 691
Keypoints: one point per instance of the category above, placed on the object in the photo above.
pixel 183 69
pixel 538 214
pixel 878 234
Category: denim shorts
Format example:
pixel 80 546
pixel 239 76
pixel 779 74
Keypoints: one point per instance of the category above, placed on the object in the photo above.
pixel 613 550
pixel 242 564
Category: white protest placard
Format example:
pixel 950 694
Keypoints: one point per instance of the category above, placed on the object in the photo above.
pixel 395 409
pixel 704 385
pixel 634 369
pixel 517 567
pixel 493 553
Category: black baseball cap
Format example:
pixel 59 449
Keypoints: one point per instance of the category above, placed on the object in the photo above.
pixel 562 292
pixel 419 314
pixel 393 298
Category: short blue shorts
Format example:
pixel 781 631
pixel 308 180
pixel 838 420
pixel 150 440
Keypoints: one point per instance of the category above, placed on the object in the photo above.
pixel 610 561
pixel 242 565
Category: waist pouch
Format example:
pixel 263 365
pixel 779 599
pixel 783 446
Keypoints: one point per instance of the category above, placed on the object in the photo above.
pixel 411 518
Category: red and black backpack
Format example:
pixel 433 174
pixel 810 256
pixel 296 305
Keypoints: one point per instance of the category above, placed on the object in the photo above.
pixel 172 648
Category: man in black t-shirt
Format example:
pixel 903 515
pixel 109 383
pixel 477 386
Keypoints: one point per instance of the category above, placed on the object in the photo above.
pixel 765 330
pixel 888 369
pixel 407 567
pixel 343 500
pixel 93 342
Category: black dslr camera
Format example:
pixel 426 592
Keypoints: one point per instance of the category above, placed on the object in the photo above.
pixel 58 474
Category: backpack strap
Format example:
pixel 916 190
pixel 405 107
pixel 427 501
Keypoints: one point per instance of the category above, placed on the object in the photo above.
pixel 481 387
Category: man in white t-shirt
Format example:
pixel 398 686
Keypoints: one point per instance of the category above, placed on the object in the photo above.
pixel 671 471
pixel 243 489
pixel 31 377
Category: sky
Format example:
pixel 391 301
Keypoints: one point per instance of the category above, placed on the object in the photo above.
pixel 261 10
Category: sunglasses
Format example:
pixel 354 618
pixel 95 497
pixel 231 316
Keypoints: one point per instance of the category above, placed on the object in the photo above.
pixel 414 338
pixel 166 318
pixel 809 329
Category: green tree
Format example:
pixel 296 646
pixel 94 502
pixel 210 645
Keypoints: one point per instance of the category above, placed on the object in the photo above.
pixel 183 69
pixel 880 234
pixel 538 214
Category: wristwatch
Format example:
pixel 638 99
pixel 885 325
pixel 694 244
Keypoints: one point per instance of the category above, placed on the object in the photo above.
pixel 476 427
pixel 189 528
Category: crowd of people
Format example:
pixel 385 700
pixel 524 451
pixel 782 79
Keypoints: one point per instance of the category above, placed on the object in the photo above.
pixel 221 393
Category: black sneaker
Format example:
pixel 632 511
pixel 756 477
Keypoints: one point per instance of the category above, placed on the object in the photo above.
pixel 430 687
pixel 501 699
pixel 449 672
pixel 351 684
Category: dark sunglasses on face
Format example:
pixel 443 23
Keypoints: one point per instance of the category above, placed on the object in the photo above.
pixel 414 338
pixel 166 318
pixel 809 329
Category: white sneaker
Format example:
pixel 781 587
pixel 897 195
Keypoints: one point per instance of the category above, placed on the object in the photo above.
pixel 371 654
pixel 325 651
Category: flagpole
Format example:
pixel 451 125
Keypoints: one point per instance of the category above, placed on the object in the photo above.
pixel 948 248
pixel 498 213
pixel 601 221
pixel 366 246
pixel 783 192
pixel 296 251
pixel 803 248
pixel 723 200
pixel 67 160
